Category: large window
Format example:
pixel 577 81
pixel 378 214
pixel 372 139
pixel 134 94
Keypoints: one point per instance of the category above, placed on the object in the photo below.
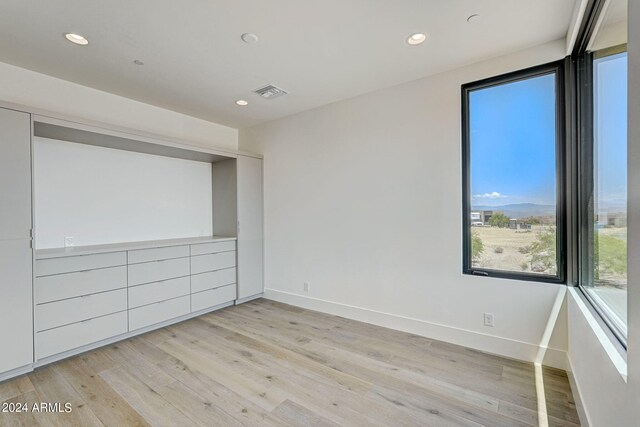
pixel 516 173
pixel 602 79
pixel 513 137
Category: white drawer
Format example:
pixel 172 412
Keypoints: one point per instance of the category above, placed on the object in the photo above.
pixel 158 291
pixel 158 312
pixel 158 270
pixel 158 254
pixel 69 264
pixel 213 279
pixel 212 297
pixel 212 248
pixel 59 313
pixel 76 335
pixel 69 285
pixel 212 262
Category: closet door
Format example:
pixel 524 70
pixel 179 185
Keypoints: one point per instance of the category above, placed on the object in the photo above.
pixel 15 175
pixel 16 258
pixel 250 227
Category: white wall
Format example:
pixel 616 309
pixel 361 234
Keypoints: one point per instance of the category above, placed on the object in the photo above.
pixel 100 195
pixel 363 200
pixel 32 89
pixel 597 367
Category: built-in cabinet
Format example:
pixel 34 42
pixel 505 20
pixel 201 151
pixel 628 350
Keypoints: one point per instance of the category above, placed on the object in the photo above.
pixel 250 228
pixel 16 257
pixel 69 300
pixel 75 290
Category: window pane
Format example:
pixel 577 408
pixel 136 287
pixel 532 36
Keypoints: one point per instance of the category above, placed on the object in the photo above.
pixel 608 284
pixel 512 137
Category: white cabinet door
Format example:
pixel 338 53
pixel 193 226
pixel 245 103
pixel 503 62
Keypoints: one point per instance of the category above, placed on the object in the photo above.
pixel 250 227
pixel 15 175
pixel 16 327
pixel 16 256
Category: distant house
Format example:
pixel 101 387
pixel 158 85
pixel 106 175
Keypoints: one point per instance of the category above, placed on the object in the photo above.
pixel 611 219
pixel 519 224
pixel 480 218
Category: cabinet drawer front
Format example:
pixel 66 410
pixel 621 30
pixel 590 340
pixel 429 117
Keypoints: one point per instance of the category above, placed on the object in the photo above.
pixel 156 271
pixel 158 291
pixel 70 285
pixel 213 279
pixel 158 254
pixel 212 297
pixel 76 335
pixel 59 313
pixel 69 264
pixel 212 248
pixel 212 262
pixel 158 312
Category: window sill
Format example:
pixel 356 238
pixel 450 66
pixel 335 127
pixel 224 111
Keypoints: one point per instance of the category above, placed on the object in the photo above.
pixel 616 353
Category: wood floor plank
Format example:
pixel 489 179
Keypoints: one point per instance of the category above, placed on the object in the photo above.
pixel 196 407
pixel 53 388
pixel 298 415
pixel 264 363
pixel 21 419
pixel 229 376
pixel 126 356
pixel 232 403
pixel 110 408
pixel 14 388
pixel 98 360
pixel 145 399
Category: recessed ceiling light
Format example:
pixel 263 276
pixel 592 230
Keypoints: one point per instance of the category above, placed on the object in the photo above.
pixel 249 38
pixel 242 102
pixel 76 38
pixel 138 62
pixel 416 39
pixel 473 18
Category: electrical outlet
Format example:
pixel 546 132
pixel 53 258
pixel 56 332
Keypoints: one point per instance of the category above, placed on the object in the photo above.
pixel 488 319
pixel 68 242
pixel 306 286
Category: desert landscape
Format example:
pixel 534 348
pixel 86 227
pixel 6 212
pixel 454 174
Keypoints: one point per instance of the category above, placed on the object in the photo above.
pixel 508 249
pixel 522 250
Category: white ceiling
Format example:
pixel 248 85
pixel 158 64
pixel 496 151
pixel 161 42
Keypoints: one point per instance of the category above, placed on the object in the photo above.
pixel 319 51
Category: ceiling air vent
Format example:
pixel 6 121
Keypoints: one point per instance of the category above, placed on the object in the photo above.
pixel 270 92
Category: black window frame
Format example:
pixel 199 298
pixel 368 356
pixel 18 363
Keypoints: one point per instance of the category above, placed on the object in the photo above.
pixel 583 88
pixel 558 69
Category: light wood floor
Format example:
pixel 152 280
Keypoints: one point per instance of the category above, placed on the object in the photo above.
pixel 265 363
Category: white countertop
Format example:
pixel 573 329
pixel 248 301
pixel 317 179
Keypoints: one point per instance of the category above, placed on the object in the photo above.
pixel 127 246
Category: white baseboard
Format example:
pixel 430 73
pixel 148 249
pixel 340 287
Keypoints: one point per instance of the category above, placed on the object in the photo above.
pixel 247 299
pixel 16 372
pixel 577 397
pixel 487 343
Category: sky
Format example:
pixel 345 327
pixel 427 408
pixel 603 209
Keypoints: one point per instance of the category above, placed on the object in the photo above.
pixel 513 143
pixel 610 104
pixel 513 139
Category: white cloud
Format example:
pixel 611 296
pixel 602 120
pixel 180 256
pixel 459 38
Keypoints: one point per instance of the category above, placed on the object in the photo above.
pixel 494 195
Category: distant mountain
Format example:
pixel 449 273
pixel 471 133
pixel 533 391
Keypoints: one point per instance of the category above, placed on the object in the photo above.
pixel 523 210
pixel 519 210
